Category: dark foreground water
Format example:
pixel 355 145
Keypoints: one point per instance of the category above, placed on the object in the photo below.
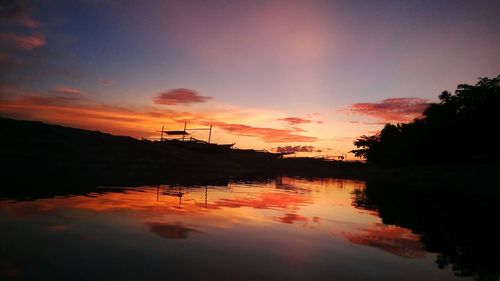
pixel 283 229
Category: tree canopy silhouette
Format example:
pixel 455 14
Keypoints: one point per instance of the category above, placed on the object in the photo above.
pixel 458 128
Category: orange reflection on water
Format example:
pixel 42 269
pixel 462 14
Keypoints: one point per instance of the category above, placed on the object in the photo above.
pixel 180 212
pixel 391 239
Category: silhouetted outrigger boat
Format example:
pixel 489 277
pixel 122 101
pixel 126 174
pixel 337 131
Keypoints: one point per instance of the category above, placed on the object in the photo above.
pixel 180 138
pixel 199 145
pixel 184 139
pixel 260 154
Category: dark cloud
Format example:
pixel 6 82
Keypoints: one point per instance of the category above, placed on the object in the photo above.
pixel 180 96
pixel 298 148
pixel 395 109
pixel 298 120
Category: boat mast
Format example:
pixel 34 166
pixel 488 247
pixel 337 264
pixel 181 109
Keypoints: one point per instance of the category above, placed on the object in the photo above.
pixel 210 133
pixel 183 136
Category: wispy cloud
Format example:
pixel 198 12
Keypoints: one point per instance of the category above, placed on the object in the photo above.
pixel 107 82
pixel 343 139
pixel 38 100
pixel 395 109
pixel 18 15
pixel 21 41
pixel 67 90
pixel 270 135
pixel 180 96
pixel 296 120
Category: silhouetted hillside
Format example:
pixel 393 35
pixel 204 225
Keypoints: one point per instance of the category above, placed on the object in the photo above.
pixel 38 150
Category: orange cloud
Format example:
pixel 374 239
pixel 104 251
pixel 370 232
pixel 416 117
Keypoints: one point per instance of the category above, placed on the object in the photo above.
pixel 25 42
pixel 180 96
pixel 267 134
pixel 395 109
pixel 72 111
pixel 84 113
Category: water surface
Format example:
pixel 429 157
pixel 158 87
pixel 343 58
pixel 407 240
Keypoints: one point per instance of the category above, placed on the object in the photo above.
pixel 285 229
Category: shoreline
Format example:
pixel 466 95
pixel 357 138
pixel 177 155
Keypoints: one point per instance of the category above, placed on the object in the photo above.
pixel 35 151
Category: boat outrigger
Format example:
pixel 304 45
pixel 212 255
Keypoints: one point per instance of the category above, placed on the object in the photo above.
pixel 185 139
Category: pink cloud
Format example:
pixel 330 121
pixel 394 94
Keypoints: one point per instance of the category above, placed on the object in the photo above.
pixel 107 82
pixel 180 96
pixel 395 109
pixel 26 42
pixel 266 134
pixel 67 91
pixel 298 120
pixel 18 15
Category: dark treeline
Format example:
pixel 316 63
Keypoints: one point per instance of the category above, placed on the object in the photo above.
pixel 459 128
pixel 457 222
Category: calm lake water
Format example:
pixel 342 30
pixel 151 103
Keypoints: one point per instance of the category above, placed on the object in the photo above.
pixel 283 229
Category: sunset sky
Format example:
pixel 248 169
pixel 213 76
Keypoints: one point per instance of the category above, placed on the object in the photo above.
pixel 307 74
